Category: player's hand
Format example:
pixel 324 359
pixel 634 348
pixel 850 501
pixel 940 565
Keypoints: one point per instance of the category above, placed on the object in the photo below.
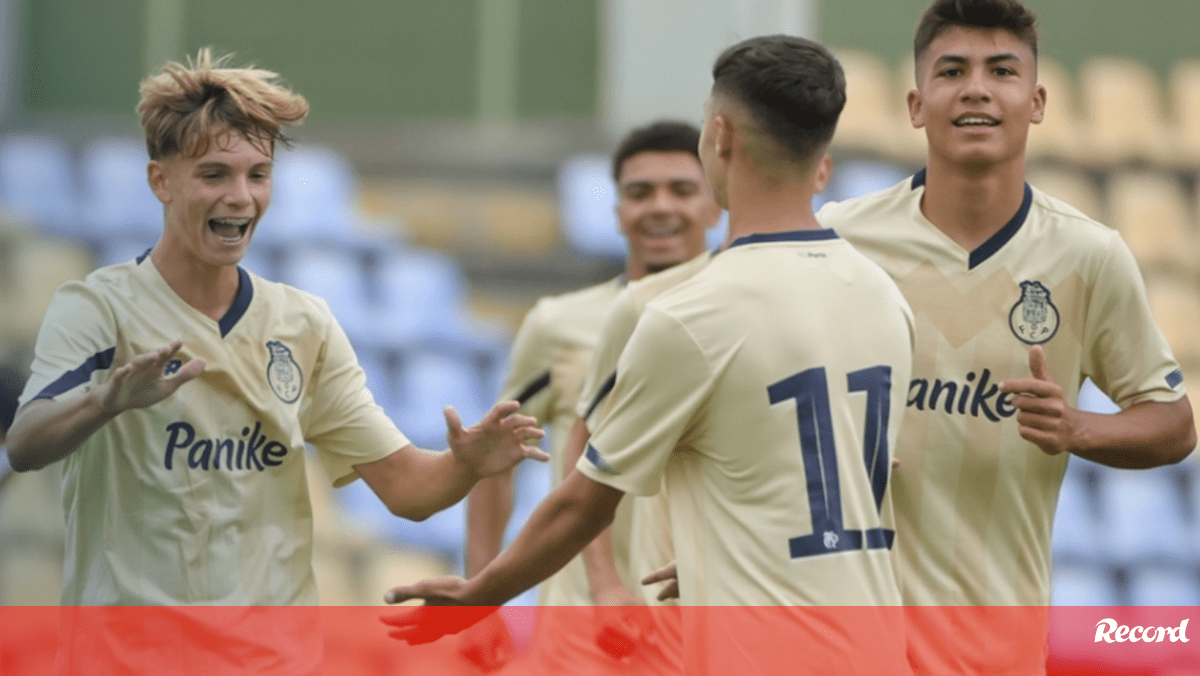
pixel 428 623
pixel 487 643
pixel 1043 415
pixel 142 383
pixel 495 443
pixel 665 574
pixel 620 621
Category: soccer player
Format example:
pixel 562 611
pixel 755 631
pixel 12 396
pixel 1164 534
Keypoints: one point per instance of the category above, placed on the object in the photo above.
pixel 664 208
pixel 1018 297
pixel 180 391
pixel 761 391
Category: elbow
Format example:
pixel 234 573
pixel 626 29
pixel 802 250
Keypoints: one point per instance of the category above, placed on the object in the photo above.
pixel 410 512
pixel 18 459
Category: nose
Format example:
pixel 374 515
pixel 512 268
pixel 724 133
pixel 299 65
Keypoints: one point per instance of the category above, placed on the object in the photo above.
pixel 975 86
pixel 239 192
pixel 662 200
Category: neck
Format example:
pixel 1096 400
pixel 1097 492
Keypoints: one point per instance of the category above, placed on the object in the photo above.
pixel 211 289
pixel 968 205
pixel 761 205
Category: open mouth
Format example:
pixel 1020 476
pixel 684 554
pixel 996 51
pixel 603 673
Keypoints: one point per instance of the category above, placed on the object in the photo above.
pixel 229 230
pixel 976 121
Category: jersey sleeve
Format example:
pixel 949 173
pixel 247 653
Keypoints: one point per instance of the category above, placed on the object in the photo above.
pixel 341 418
pixel 76 345
pixel 1124 352
pixel 663 381
pixel 602 371
pixel 528 379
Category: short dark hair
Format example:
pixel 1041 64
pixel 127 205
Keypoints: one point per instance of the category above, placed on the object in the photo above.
pixel 792 87
pixel 942 15
pixel 664 136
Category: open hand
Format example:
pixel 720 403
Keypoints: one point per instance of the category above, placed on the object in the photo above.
pixel 1044 417
pixel 665 574
pixel 428 623
pixel 487 643
pixel 142 383
pixel 495 443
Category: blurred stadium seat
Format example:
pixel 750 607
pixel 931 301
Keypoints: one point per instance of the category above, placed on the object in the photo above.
pixel 1069 185
pixel 587 197
pixel 117 202
pixel 1185 104
pixel 37 182
pixel 1076 536
pixel 1164 585
pixel 1155 216
pixel 1083 585
pixel 1060 135
pixel 1175 303
pixel 1123 107
pixel 335 275
pixel 874 117
pixel 1144 517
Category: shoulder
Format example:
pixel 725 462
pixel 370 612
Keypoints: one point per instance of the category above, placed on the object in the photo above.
pixel 291 304
pixel 648 288
pixel 858 211
pixel 1058 226
pixel 570 307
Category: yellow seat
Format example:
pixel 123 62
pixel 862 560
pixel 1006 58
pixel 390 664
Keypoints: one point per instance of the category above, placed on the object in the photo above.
pixel 1154 215
pixel 1185 108
pixel 874 120
pixel 1059 134
pixel 1070 186
pixel 1175 303
pixel 1123 110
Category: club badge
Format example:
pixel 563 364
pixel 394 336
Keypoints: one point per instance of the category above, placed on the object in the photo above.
pixel 283 373
pixel 1034 319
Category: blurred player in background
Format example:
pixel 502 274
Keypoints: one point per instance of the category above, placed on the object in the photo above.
pixel 1018 297
pixel 664 208
pixel 761 389
pixel 180 391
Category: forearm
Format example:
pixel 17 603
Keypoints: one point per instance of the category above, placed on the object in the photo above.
pixel 46 431
pixel 489 508
pixel 600 563
pixel 1144 435
pixel 569 518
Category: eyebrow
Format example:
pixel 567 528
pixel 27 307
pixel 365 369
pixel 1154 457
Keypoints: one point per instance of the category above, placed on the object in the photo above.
pixel 995 58
pixel 216 164
pixel 646 182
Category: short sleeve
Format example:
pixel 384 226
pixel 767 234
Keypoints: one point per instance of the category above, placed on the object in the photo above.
pixel 341 418
pixel 528 379
pixel 663 381
pixel 1124 352
pixel 614 335
pixel 76 345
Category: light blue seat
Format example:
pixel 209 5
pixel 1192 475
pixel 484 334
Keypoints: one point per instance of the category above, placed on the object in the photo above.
pixel 335 275
pixel 420 295
pixel 1093 400
pixel 1083 585
pixel 1143 517
pixel 1164 585
pixel 117 202
pixel 427 382
pixel 587 199
pixel 443 534
pixel 856 178
pixel 1076 528
pixel 37 183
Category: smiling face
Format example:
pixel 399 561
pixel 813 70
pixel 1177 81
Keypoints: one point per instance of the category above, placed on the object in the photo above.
pixel 212 203
pixel 976 96
pixel 664 207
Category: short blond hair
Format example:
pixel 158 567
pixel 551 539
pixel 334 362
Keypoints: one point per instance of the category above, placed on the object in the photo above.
pixel 182 107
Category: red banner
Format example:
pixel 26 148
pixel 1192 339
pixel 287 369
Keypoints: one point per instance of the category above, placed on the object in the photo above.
pixel 1118 641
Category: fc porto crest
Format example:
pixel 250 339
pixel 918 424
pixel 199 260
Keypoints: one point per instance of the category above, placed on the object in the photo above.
pixel 1034 319
pixel 283 373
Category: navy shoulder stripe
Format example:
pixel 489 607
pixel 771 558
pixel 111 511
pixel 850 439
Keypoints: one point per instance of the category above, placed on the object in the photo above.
pixel 1175 378
pixel 78 376
pixel 541 382
pixel 605 388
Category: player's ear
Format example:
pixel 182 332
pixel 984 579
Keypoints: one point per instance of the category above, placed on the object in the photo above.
pixel 156 176
pixel 723 138
pixel 916 113
pixel 823 173
pixel 1039 105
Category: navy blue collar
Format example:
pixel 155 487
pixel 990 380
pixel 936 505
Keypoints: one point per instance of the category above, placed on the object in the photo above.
pixel 1003 235
pixel 241 301
pixel 789 236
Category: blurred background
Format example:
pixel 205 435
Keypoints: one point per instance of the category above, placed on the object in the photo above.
pixel 455 168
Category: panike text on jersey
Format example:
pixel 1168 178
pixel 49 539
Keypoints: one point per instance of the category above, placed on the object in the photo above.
pixel 202 498
pixel 974 501
pixel 767 380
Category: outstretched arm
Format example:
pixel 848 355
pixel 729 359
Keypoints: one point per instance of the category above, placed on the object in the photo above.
pixel 570 517
pixel 416 483
pixel 1144 435
pixel 45 431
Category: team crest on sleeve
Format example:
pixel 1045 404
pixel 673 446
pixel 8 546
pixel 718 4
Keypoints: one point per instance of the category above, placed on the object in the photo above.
pixel 1034 319
pixel 283 373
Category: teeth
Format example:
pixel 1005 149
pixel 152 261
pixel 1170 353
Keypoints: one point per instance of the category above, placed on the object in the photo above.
pixel 975 122
pixel 229 230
